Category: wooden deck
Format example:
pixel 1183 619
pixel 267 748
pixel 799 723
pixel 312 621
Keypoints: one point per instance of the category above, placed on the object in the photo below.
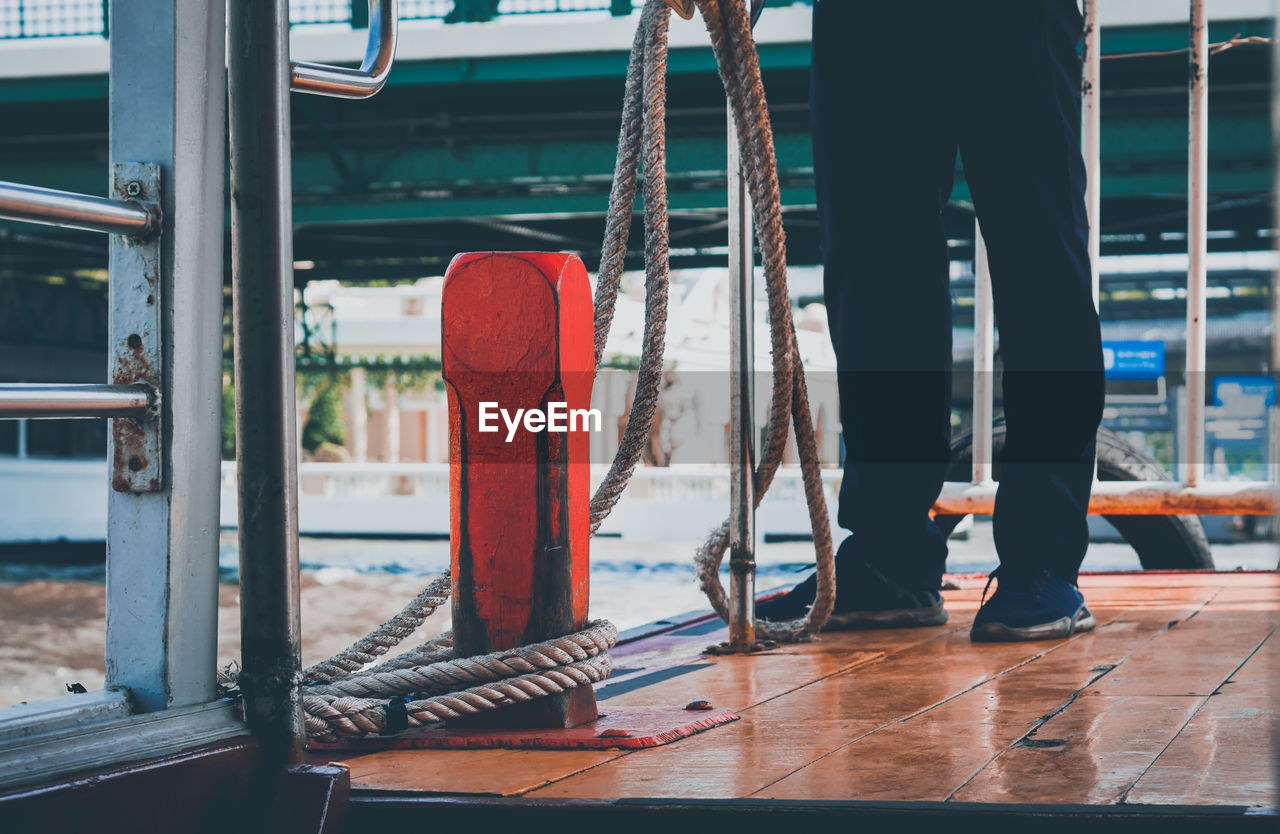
pixel 1171 701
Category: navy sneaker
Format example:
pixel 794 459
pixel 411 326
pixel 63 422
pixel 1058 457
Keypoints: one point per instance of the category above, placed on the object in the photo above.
pixel 1029 605
pixel 865 598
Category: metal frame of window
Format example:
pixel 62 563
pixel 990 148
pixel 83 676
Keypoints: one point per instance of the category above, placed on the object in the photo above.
pixel 167 148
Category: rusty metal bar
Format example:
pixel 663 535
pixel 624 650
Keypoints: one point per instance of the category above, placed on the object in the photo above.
pixel 365 82
pixel 40 400
pixel 1135 498
pixel 742 564
pixel 50 207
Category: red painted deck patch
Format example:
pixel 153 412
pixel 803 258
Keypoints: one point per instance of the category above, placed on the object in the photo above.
pixel 643 727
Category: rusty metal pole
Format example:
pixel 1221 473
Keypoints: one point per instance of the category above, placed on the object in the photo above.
pixel 742 348
pixel 266 441
pixel 742 563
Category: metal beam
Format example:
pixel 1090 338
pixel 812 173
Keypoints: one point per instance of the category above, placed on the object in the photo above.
pixel 1134 498
pixel 162 547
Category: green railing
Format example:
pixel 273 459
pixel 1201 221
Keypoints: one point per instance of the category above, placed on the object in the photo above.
pixel 67 18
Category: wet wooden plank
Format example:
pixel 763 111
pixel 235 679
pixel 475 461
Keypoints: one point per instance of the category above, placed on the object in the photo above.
pixel 1221 756
pixel 931 755
pixel 1198 655
pixel 1096 749
pixel 781 735
pixel 934 711
pixel 1091 753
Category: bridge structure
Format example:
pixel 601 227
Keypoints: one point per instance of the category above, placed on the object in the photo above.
pixel 499 131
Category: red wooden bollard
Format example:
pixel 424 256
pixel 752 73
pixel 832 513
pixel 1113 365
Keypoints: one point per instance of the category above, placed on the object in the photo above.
pixel 517 333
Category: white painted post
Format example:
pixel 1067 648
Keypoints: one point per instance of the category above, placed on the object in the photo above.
pixel 1197 223
pixel 392 398
pixel 1091 133
pixel 357 401
pixel 983 360
pixel 1091 145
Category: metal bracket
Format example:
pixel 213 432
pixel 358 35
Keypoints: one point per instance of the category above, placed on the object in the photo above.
pixel 137 452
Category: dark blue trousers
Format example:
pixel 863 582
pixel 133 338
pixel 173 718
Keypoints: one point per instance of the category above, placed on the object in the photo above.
pixel 897 91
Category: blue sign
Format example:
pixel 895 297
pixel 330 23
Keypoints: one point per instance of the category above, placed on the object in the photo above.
pixel 1133 359
pixel 1228 389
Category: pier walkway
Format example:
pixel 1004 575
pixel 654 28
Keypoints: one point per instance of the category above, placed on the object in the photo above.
pixel 1168 702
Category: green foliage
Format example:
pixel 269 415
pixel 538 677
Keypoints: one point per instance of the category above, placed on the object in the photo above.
pixel 624 363
pixel 324 422
pixel 228 422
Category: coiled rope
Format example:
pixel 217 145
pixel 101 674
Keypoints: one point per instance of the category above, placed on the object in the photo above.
pixel 427 684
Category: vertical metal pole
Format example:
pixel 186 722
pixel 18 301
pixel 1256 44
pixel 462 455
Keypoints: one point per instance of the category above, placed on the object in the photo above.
pixel 742 564
pixel 266 433
pixel 983 360
pixel 1091 145
pixel 1197 221
pixel 1273 469
pixel 1091 134
pixel 162 546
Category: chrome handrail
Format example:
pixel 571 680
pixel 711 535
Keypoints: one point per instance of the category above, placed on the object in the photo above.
pixel 342 82
pixel 59 400
pixel 51 207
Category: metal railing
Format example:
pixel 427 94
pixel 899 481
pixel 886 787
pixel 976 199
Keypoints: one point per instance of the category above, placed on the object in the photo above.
pixel 37 400
pixel 1190 494
pixel 341 82
pixel 133 215
pixel 77 211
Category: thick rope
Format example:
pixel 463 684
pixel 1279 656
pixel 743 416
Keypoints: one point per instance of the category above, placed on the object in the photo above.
pixel 642 130
pixel 642 137
pixel 353 705
pixel 331 718
pixel 450 675
pixel 386 636
pixel 730 30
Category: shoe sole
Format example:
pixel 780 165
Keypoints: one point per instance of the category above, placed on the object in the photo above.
pixel 896 618
pixel 1064 627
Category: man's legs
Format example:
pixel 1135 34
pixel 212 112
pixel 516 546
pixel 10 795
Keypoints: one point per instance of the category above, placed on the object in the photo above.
pixel 884 159
pixel 1020 147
